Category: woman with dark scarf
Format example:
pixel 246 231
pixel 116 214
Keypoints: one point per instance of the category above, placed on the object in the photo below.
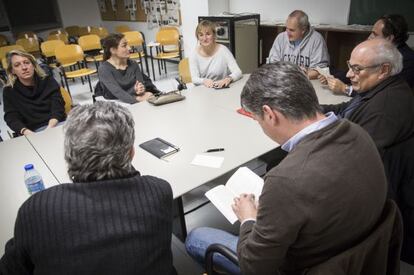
pixel 32 100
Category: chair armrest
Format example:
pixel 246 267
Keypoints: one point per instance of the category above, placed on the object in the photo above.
pixel 224 251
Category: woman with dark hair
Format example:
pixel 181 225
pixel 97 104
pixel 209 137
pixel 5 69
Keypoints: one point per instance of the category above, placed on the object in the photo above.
pixel 121 78
pixel 32 100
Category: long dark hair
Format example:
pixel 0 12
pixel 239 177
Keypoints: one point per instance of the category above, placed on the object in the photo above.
pixel 111 41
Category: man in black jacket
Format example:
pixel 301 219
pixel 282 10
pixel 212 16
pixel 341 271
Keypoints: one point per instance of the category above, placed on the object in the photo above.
pixel 384 104
pixel 384 107
pixel 111 220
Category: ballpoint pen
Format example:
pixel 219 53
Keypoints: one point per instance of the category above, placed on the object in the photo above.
pixel 215 150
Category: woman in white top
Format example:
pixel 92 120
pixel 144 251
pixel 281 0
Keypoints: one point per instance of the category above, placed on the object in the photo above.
pixel 212 64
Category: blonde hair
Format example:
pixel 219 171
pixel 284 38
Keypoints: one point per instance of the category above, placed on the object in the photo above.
pixel 206 24
pixel 11 78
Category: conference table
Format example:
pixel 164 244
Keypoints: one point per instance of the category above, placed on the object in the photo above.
pixel 15 154
pixel 206 119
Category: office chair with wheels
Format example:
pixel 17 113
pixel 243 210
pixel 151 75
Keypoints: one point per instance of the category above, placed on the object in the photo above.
pixel 69 54
pixel 376 253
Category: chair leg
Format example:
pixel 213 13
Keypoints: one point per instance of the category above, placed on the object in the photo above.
pixel 165 66
pixel 67 85
pixel 89 81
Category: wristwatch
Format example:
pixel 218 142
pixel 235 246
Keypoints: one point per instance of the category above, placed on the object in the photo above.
pixel 348 90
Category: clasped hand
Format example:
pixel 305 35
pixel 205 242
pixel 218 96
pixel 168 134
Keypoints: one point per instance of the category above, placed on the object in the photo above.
pixel 245 207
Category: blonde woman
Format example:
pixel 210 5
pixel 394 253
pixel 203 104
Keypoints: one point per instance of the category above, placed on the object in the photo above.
pixel 32 100
pixel 212 64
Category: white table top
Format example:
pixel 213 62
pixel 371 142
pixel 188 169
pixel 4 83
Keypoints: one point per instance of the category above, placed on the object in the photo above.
pixel 206 119
pixel 15 154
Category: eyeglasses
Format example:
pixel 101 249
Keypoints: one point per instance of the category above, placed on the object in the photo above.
pixel 356 69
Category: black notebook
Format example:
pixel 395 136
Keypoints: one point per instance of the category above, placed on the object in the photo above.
pixel 159 147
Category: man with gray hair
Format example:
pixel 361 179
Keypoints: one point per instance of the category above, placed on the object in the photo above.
pixel 309 209
pixel 384 104
pixel 300 44
pixel 110 220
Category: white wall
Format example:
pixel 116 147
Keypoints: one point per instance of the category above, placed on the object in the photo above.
pixel 80 12
pixel 216 7
pixel 190 10
pixel 319 11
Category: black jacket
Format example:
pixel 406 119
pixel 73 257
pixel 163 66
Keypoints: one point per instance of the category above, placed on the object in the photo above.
pixel 386 112
pixel 121 226
pixel 33 107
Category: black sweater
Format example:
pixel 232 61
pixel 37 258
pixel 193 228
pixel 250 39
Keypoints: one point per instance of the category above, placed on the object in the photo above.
pixel 33 107
pixel 119 226
pixel 386 112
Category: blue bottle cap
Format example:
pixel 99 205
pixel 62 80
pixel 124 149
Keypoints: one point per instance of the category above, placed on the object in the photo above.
pixel 28 167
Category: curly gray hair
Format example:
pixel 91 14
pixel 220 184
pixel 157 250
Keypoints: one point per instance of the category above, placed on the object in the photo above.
pixel 98 142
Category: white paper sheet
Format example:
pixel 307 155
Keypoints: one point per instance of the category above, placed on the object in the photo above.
pixel 208 161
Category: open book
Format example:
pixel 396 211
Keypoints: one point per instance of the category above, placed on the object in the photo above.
pixel 242 181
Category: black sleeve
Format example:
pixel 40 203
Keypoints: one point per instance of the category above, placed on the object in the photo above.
pixel 12 115
pixel 57 108
pixel 149 86
pixel 16 259
pixel 336 108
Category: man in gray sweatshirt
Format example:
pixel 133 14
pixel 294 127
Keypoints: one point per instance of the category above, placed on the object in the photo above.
pixel 300 44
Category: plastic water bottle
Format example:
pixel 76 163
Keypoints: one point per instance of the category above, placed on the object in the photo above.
pixel 33 180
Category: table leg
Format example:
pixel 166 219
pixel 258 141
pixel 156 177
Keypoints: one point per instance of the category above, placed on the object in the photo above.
pixel 180 228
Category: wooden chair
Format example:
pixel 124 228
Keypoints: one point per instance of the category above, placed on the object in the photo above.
pixel 59 36
pixel 72 30
pixel 91 46
pixel 68 54
pixel 48 51
pixel 169 46
pixel 4 50
pixel 101 32
pixel 3 41
pixel 30 45
pixel 184 71
pixel 122 28
pixel 26 34
pixel 67 98
pixel 136 41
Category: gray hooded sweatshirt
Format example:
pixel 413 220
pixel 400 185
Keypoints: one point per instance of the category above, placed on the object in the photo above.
pixel 311 51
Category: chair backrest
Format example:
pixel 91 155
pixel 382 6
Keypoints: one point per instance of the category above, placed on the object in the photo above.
pixel 67 99
pixel 101 32
pixel 59 36
pixel 84 30
pixel 72 30
pixel 184 70
pixel 90 42
pixel 3 41
pixel 378 253
pixel 48 47
pixel 69 54
pixel 4 50
pixel 26 34
pixel 58 31
pixel 167 37
pixel 30 45
pixel 122 28
pixel 134 38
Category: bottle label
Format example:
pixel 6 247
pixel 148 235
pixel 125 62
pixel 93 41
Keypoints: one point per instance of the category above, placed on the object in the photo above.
pixel 35 187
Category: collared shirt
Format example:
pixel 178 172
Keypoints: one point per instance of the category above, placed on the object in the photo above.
pixel 293 141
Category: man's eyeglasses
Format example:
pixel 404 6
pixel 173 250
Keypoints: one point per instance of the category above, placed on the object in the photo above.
pixel 356 69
